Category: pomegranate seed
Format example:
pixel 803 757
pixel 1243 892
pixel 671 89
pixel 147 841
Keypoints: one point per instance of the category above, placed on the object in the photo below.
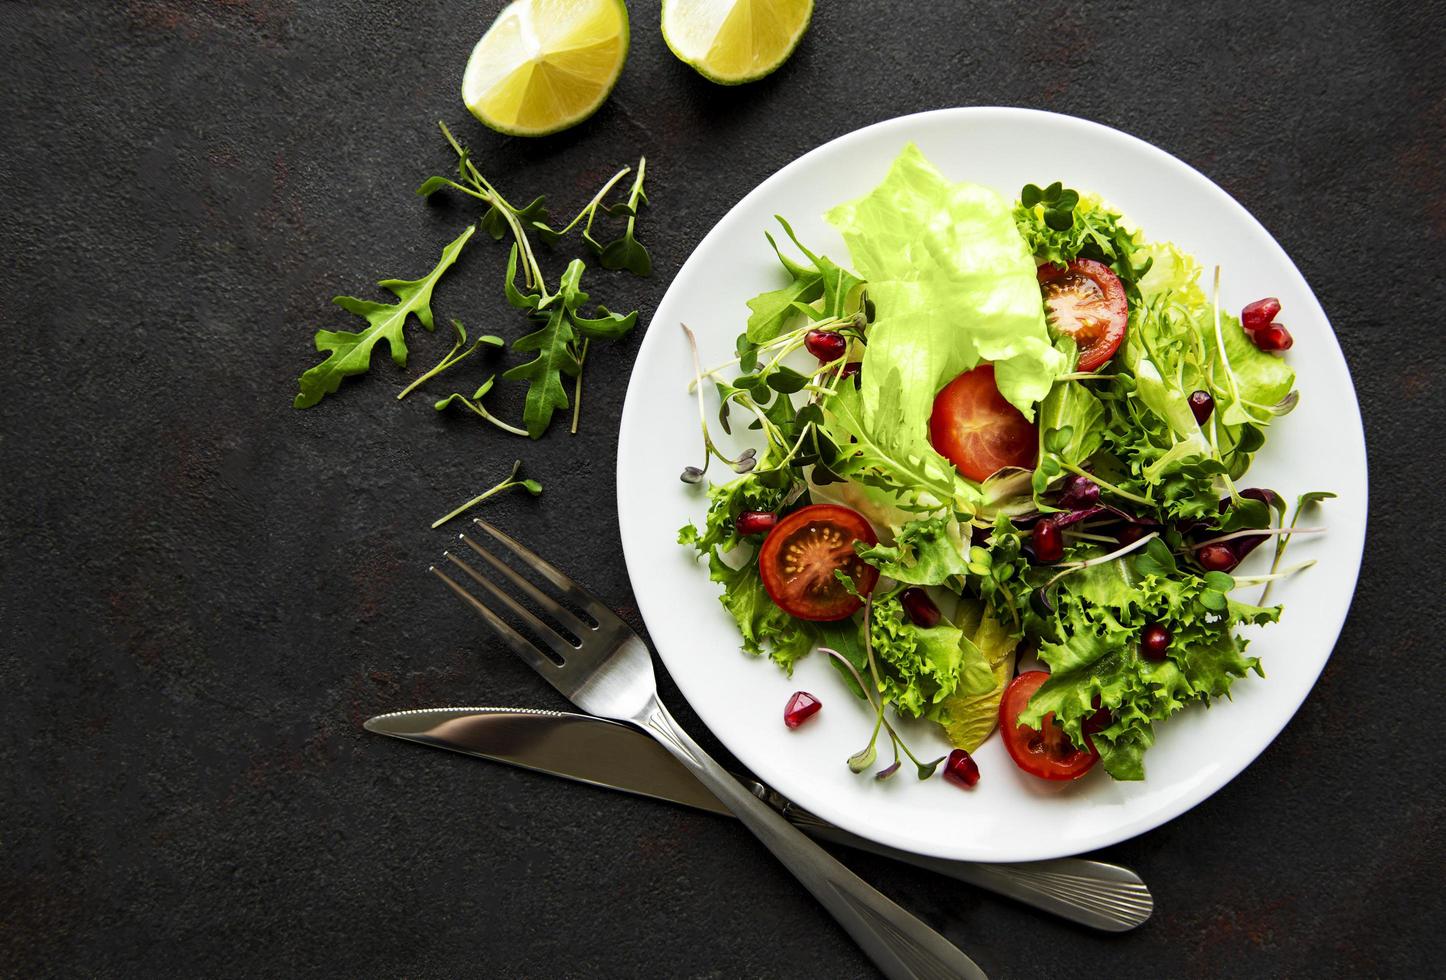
pixel 1154 641
pixel 755 522
pixel 1258 314
pixel 1216 558
pixel 1201 405
pixel 1130 533
pixel 826 345
pixel 1273 337
pixel 961 769
pixel 801 707
pixel 920 607
pixel 1048 541
pixel 1100 720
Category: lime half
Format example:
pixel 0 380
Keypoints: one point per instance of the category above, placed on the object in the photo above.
pixel 735 41
pixel 545 65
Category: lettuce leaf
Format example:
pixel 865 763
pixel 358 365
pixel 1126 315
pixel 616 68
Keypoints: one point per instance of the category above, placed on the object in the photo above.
pixel 1092 651
pixel 968 718
pixel 953 285
pixel 918 667
pixel 925 552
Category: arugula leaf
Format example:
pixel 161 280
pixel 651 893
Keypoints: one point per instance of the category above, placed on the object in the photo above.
pixel 555 357
pixel 772 311
pixel 555 341
pixel 924 552
pixel 883 453
pixel 350 353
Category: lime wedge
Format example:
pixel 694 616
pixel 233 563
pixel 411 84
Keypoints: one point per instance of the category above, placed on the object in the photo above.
pixel 735 41
pixel 545 65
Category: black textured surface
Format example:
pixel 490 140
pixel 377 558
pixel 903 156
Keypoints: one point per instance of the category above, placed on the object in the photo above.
pixel 205 592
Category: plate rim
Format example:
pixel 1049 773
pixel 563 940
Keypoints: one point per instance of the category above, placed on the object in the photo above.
pixel 1187 800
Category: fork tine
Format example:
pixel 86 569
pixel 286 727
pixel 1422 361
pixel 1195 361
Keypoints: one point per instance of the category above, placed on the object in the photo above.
pixel 560 646
pixel 549 605
pixel 519 644
pixel 590 603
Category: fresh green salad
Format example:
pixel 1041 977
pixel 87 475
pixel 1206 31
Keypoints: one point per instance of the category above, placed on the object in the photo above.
pixel 1023 434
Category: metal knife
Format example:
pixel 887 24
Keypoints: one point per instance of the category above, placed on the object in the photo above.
pixel 605 753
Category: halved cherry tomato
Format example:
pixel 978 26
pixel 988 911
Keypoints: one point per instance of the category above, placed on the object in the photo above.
pixel 977 430
pixel 800 555
pixel 1048 754
pixel 1086 300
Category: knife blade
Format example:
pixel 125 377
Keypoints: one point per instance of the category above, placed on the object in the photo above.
pixel 616 756
pixel 577 747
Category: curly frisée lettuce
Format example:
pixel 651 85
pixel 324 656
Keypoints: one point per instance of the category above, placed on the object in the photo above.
pixel 1111 559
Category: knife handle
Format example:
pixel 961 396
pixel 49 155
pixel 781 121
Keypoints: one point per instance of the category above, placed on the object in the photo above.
pixel 902 946
pixel 1103 896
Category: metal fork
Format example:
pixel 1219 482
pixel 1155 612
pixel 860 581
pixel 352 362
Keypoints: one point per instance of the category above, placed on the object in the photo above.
pixel 607 671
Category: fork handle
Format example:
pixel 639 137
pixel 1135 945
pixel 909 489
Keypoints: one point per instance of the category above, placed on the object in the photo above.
pixel 1108 897
pixel 899 944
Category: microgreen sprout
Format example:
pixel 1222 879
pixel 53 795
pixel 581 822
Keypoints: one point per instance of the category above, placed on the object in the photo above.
pixel 514 479
pixel 475 406
pixel 563 334
pixel 888 771
pixel 865 757
pixel 1102 559
pixel 1059 203
pixel 1315 497
pixel 746 460
pixel 1260 533
pixel 453 357
pixel 1267 579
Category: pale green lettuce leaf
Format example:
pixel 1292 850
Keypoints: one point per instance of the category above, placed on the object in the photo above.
pixel 953 284
pixel 969 717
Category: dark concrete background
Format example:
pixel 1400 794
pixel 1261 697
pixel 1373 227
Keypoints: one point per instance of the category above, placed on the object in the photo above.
pixel 205 592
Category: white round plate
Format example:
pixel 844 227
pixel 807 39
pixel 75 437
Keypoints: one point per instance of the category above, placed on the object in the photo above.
pixel 1008 816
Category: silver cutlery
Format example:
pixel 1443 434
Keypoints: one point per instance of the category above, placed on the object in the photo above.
pixel 605 669
pixel 604 753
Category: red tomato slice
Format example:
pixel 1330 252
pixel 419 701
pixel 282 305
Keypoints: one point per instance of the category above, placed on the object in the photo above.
pixel 1048 754
pixel 800 555
pixel 1086 300
pixel 977 430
